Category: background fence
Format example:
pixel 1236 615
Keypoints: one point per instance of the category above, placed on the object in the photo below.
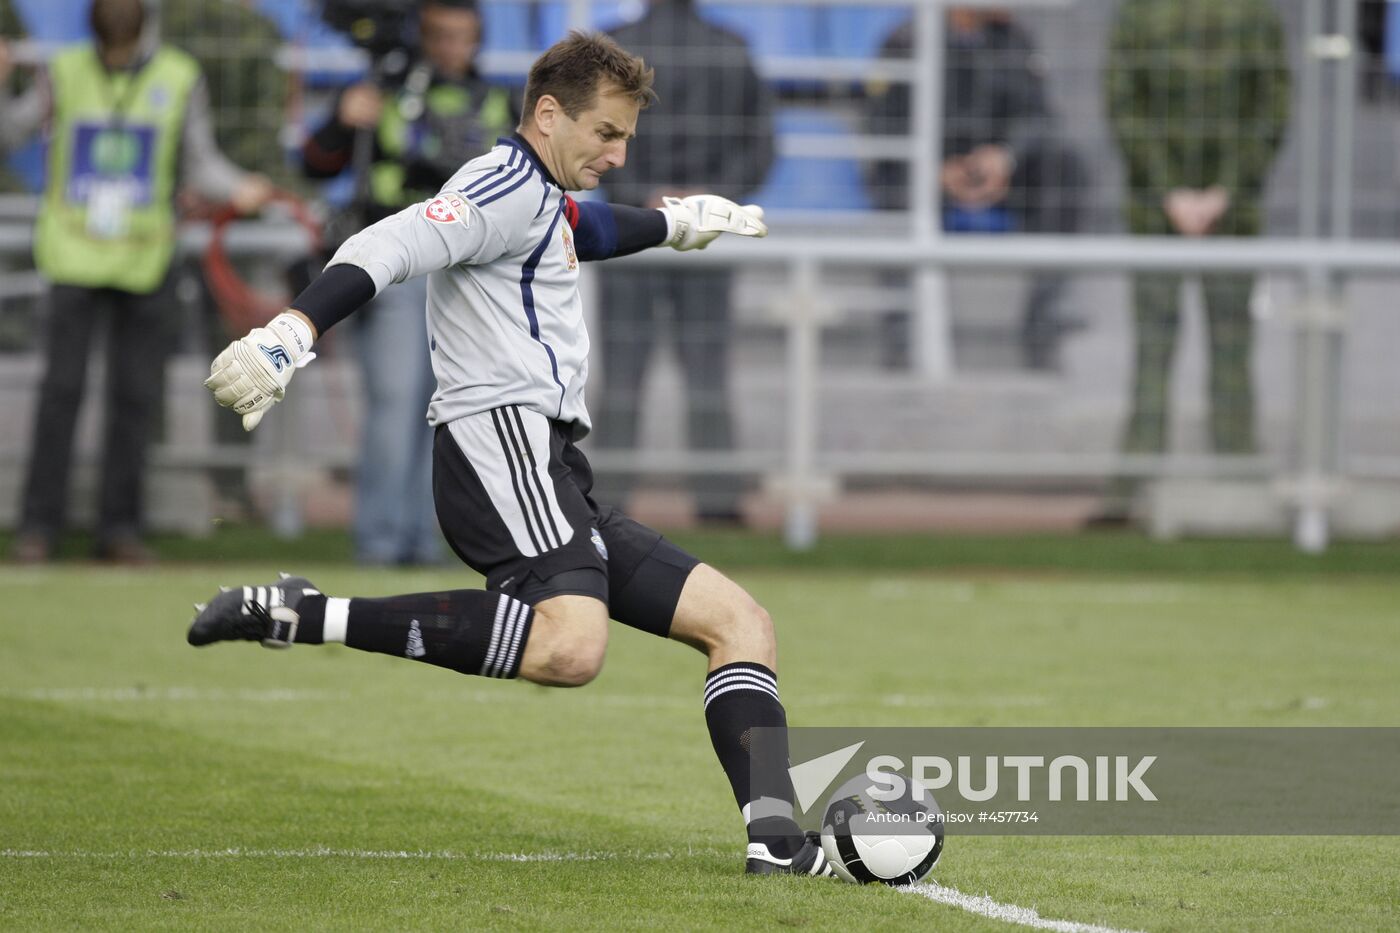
pixel 886 336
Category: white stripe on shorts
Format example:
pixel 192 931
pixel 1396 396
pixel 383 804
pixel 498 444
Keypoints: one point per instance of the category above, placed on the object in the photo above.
pixel 522 494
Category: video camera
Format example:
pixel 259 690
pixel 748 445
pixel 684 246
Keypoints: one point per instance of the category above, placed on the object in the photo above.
pixel 386 29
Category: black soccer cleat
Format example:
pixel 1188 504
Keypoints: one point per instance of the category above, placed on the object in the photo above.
pixel 809 860
pixel 266 613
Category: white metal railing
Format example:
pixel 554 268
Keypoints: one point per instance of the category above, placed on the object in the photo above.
pixel 1321 262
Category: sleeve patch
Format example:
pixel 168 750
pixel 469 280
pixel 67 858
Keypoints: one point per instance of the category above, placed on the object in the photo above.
pixel 446 209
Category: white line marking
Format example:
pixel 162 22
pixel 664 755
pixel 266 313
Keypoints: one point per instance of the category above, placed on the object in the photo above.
pixel 983 906
pixel 178 694
pixel 325 852
pixel 169 694
pixel 995 700
pixel 1007 913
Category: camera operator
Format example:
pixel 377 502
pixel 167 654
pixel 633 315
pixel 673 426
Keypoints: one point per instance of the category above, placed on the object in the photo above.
pixel 404 134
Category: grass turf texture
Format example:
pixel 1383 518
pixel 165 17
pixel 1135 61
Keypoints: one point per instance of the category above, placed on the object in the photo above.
pixel 137 763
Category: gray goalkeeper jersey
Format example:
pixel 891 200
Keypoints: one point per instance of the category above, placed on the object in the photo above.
pixel 505 322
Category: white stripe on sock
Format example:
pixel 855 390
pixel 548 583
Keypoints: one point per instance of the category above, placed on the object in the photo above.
pixel 741 677
pixel 507 634
pixel 741 671
pixel 767 807
pixel 723 690
pixel 337 617
pixel 738 684
pixel 521 617
pixel 495 636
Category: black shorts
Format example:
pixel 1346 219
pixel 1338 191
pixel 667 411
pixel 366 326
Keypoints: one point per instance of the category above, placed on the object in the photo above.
pixel 512 496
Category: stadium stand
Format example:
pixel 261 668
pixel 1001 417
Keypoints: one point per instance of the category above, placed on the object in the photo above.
pixel 552 19
pixel 54 22
pixel 802 182
pixel 860 31
pixel 771 30
pixel 506 26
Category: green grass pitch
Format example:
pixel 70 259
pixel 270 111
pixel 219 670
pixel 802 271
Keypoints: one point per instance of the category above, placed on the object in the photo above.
pixel 146 785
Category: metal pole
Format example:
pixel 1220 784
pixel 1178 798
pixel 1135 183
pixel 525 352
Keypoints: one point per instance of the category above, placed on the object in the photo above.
pixel 1310 121
pixel 800 526
pixel 1344 117
pixel 1310 528
pixel 1318 357
pixel 1311 519
pixel 932 329
pixel 288 517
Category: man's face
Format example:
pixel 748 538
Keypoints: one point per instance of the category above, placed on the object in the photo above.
pixel 595 143
pixel 450 38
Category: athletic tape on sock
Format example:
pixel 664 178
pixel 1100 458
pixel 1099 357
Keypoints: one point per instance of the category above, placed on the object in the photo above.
pixel 337 617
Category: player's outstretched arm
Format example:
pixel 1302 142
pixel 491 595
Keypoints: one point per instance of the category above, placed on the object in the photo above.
pixel 252 373
pixel 694 222
pixel 607 231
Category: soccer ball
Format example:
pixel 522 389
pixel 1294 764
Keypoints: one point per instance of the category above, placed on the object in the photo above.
pixel 894 842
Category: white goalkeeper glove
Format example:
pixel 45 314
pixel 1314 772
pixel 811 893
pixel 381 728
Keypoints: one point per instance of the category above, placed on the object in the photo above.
pixel 696 220
pixel 252 373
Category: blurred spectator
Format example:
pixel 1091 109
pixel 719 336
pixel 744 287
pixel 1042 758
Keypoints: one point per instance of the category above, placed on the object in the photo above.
pixel 15 83
pixel 711 129
pixel 404 137
pixel 1198 97
pixel 128 117
pixel 1003 169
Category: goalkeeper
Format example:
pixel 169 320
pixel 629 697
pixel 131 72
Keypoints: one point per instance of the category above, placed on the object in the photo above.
pixel 501 246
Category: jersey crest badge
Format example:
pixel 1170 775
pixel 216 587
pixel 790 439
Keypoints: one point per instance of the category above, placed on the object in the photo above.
pixel 447 209
pixel 569 253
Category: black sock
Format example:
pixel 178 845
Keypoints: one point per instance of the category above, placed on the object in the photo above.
pixel 740 697
pixel 469 631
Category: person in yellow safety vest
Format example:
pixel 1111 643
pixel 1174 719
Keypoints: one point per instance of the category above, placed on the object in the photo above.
pixel 129 123
pixel 413 131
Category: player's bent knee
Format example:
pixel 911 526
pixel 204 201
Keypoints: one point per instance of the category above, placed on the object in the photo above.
pixel 567 643
pixel 752 626
pixel 576 667
pixel 721 619
pixel 743 630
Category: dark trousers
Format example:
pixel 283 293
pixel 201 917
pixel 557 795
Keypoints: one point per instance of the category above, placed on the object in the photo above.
pixel 1046 196
pixel 638 309
pixel 136 345
pixel 1157 322
pixel 1229 329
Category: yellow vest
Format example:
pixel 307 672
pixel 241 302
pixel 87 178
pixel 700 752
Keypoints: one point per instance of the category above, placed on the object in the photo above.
pixel 107 218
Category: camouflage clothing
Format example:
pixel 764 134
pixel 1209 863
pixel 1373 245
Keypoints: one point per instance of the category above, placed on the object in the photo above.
pixel 1198 96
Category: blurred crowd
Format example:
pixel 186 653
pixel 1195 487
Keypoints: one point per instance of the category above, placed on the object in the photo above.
pixel 1197 94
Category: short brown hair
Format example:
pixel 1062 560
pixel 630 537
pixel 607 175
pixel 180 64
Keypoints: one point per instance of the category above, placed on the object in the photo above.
pixel 572 70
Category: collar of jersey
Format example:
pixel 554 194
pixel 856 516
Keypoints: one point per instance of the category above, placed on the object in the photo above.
pixel 518 141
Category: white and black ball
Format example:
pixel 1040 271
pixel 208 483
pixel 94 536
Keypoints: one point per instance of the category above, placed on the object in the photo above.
pixel 869 840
